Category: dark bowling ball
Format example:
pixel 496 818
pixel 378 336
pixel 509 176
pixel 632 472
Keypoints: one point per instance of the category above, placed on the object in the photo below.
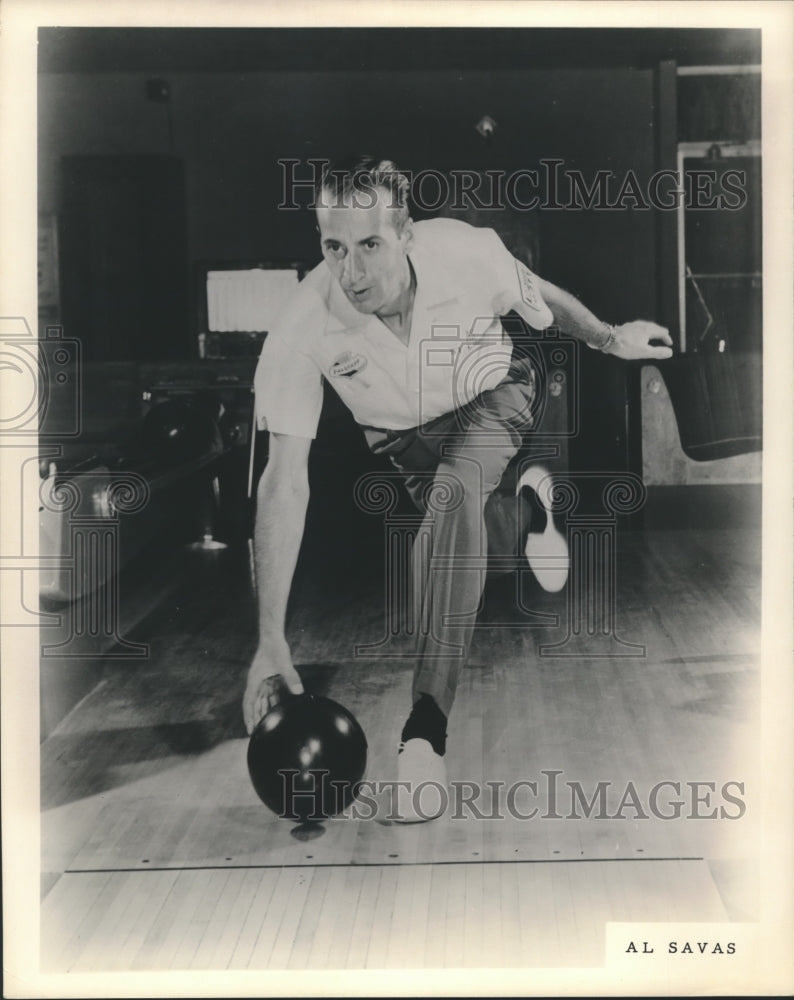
pixel 306 757
pixel 178 430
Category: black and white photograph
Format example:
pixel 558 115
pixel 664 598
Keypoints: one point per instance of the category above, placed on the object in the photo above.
pixel 396 463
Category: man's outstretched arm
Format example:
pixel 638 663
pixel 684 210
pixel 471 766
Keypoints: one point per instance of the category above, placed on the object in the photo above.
pixel 282 499
pixel 630 341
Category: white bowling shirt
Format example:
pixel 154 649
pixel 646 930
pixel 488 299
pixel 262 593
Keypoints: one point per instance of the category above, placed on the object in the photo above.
pixel 465 279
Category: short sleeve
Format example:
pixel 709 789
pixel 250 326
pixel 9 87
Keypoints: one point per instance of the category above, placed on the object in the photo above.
pixel 288 381
pixel 514 286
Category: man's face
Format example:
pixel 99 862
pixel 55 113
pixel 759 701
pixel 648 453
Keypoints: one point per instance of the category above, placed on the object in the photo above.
pixel 364 251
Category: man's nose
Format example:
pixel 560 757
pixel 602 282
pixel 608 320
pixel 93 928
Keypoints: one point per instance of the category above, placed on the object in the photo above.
pixel 352 271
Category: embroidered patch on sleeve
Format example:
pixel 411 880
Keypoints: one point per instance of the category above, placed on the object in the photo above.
pixel 526 285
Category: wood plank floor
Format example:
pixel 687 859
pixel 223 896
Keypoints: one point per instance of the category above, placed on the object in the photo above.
pixel 156 853
pixel 363 917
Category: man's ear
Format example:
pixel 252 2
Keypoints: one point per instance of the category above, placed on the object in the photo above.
pixel 407 235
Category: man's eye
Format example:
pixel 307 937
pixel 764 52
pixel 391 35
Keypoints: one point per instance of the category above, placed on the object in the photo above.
pixel 370 244
pixel 334 249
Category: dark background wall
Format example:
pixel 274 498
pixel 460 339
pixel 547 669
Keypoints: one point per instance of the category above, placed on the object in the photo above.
pixel 232 128
pixel 239 101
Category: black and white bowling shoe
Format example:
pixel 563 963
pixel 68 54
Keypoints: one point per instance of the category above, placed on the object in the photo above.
pixel 421 788
pixel 546 551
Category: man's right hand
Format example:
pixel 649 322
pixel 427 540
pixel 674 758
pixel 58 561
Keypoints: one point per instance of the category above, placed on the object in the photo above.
pixel 272 657
pixel 635 341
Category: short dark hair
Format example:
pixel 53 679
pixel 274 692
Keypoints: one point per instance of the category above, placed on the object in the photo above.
pixel 363 174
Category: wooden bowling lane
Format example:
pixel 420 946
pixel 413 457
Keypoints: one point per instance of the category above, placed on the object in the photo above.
pixel 358 917
pixel 153 838
pixel 150 771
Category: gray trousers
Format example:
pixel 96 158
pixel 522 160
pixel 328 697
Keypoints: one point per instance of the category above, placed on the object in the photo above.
pixel 453 468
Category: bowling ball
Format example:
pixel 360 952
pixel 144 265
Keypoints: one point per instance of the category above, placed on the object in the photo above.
pixel 306 758
pixel 178 430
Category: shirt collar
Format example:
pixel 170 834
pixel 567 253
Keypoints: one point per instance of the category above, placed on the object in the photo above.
pixel 436 288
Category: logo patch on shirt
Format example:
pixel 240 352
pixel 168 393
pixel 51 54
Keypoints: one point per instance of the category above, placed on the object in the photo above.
pixel 526 285
pixel 348 364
